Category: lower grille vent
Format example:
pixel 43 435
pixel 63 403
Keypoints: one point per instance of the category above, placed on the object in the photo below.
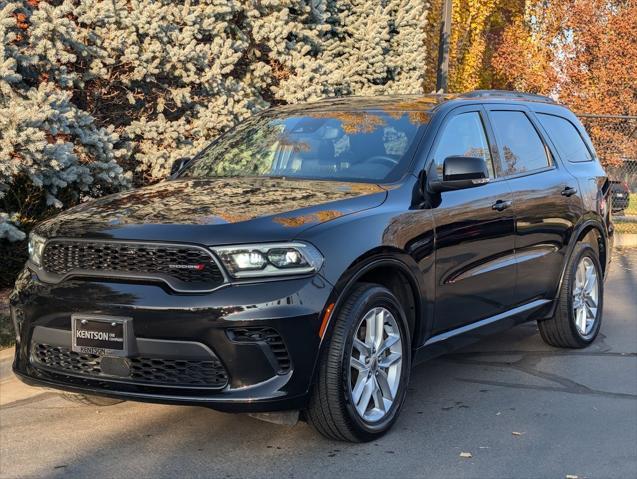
pixel 155 371
pixel 267 335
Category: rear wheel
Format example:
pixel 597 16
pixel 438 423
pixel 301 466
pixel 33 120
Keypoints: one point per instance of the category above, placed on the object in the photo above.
pixel 578 315
pixel 364 370
pixel 90 400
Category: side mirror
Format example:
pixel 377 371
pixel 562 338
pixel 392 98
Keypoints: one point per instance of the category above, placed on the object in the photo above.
pixel 459 172
pixel 178 164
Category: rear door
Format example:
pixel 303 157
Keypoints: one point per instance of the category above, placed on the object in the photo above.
pixel 546 204
pixel 573 146
pixel 475 270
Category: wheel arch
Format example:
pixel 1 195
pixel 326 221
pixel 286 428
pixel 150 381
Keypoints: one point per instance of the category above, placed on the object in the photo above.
pixel 590 231
pixel 390 267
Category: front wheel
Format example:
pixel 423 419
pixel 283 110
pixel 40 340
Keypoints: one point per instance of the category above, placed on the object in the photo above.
pixel 578 316
pixel 364 370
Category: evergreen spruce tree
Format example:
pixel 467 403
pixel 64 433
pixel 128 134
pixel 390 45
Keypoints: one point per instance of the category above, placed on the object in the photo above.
pixel 92 92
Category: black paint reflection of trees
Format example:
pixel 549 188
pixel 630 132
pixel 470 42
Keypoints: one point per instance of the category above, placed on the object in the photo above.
pixel 198 202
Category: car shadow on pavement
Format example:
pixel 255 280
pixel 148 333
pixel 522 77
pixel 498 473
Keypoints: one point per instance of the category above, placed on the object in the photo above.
pixel 171 441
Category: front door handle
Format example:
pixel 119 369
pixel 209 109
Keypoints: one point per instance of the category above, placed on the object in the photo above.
pixel 569 191
pixel 501 205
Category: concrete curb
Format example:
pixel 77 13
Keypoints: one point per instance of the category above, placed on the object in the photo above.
pixel 625 240
pixel 6 359
pixel 625 218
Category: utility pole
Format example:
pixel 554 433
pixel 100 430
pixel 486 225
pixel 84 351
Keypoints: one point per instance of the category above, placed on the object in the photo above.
pixel 442 76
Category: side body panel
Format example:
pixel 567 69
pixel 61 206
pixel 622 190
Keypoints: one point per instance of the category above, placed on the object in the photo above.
pixel 392 231
pixel 475 267
pixel 544 218
pixel 592 186
pixel 475 271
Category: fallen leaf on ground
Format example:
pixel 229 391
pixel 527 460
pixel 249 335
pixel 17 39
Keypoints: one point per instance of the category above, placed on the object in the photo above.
pixel 466 455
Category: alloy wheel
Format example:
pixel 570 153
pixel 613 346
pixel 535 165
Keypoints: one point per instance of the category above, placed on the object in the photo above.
pixel 375 364
pixel 585 296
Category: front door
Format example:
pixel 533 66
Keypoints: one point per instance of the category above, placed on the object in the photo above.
pixel 474 230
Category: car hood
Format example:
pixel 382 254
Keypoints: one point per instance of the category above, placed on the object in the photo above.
pixel 215 211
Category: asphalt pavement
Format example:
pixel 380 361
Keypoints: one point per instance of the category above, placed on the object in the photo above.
pixel 513 406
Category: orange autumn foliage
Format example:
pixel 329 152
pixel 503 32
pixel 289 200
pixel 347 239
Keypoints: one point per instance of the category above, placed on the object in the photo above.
pixel 581 52
pixel 21 21
pixel 598 65
pixel 521 62
pixel 584 52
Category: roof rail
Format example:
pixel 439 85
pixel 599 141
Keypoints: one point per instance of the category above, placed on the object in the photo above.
pixel 506 93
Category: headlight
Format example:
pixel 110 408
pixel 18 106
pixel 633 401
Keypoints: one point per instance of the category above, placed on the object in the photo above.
pixel 36 247
pixel 275 259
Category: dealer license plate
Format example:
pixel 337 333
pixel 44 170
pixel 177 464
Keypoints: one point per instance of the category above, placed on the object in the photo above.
pixel 102 335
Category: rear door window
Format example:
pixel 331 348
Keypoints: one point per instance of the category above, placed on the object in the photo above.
pixel 521 148
pixel 568 141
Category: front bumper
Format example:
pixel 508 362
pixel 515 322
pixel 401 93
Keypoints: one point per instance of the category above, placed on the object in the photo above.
pixel 174 333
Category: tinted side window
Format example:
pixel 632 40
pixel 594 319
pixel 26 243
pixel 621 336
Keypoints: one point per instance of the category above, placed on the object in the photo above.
pixel 567 140
pixel 521 146
pixel 463 136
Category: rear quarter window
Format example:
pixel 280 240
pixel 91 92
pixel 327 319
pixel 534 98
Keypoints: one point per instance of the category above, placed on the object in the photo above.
pixel 566 138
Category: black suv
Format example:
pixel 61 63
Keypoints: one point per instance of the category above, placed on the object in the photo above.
pixel 620 196
pixel 308 258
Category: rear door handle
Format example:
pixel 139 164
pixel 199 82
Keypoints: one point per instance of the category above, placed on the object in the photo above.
pixel 501 205
pixel 569 191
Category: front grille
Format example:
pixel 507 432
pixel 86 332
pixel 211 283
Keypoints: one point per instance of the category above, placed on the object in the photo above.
pixel 182 266
pixel 267 335
pixel 148 370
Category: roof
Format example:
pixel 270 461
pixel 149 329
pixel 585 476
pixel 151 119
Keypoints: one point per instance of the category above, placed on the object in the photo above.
pixel 509 95
pixel 408 102
pixel 381 102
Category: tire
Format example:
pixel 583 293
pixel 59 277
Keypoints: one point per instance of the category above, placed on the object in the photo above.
pixel 562 330
pixel 90 400
pixel 332 410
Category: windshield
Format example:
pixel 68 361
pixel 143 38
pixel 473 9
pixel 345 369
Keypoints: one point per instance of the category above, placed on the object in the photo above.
pixel 369 146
